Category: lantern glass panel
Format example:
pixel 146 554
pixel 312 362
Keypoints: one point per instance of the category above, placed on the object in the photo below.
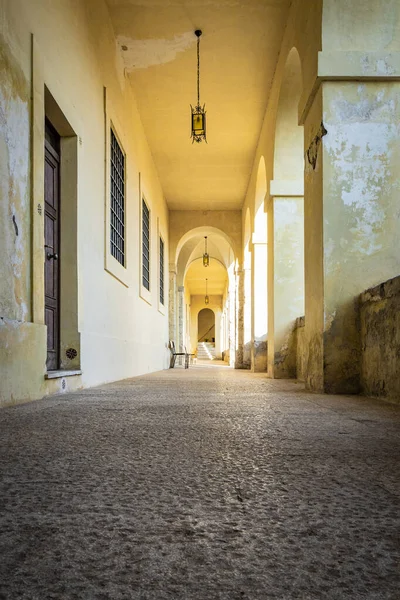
pixel 198 124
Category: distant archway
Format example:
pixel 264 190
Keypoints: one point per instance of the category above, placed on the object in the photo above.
pixel 206 325
pixel 191 276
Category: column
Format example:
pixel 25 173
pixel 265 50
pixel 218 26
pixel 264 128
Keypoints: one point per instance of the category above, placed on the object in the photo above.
pixel 181 320
pixel 239 318
pixel 259 355
pixel 351 195
pixel 286 296
pixel 172 303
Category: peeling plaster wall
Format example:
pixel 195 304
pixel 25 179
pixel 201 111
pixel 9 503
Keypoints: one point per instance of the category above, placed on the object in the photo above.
pixel 380 341
pixel 142 54
pixel 76 55
pixel 361 213
pixel 22 356
pixel 361 25
pixel 15 301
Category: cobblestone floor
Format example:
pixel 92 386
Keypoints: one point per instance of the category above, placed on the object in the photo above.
pixel 200 484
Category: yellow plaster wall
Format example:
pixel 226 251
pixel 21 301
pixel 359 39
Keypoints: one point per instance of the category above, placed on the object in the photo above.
pixel 120 331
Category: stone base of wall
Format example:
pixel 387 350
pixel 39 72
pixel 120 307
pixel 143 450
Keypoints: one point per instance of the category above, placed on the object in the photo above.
pixel 285 357
pixel 260 356
pixel 22 361
pixel 380 341
pixel 301 349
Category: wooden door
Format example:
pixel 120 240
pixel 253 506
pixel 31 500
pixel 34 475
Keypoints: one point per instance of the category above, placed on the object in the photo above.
pixel 51 237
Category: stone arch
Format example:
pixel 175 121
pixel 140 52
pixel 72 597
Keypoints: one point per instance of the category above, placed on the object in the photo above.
pixel 190 262
pixel 289 135
pixel 260 221
pixel 187 301
pixel 205 334
pixel 199 232
pixel 286 225
pixel 196 309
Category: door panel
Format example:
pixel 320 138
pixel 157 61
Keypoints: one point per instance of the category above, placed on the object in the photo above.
pixel 51 236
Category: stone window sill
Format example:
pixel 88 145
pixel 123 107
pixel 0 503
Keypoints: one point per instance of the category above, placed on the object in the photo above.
pixel 60 374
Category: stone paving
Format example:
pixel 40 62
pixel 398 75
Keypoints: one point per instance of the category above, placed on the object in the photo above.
pixel 200 484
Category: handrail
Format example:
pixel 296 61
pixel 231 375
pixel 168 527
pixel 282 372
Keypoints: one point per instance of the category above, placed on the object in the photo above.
pixel 203 336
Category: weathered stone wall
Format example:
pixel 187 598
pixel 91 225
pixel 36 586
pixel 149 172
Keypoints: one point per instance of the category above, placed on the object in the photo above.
pixel 380 339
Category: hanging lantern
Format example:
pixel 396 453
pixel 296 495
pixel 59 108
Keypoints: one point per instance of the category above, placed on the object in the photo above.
pixel 206 257
pixel 198 112
pixel 206 298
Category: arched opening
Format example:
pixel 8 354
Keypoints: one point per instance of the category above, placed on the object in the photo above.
pixel 192 286
pixel 286 226
pixel 289 135
pixel 206 334
pixel 247 303
pixel 206 325
pixel 260 274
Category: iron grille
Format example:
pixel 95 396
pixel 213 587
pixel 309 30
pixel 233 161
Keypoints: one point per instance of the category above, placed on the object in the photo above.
pixel 145 245
pixel 161 271
pixel 117 193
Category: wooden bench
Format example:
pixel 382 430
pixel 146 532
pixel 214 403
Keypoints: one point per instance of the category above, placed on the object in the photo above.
pixel 190 355
pixel 174 354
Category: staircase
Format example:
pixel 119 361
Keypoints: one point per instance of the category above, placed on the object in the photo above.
pixel 206 351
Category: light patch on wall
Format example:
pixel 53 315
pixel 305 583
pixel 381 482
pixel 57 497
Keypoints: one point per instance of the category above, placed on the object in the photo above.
pixel 142 54
pixel 360 154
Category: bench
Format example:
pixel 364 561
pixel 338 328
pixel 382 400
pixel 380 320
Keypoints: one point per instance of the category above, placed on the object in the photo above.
pixel 174 354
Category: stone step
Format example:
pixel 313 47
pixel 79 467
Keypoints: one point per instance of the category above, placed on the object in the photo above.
pixel 206 350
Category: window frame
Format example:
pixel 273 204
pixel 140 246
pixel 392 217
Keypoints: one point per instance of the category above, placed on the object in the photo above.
pixel 111 264
pixel 114 134
pixel 145 294
pixel 160 238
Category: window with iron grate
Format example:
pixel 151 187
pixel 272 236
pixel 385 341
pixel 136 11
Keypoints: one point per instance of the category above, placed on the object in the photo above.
pixel 145 245
pixel 161 271
pixel 117 200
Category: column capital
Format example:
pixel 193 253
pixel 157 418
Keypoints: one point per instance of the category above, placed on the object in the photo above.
pixel 349 65
pixel 358 65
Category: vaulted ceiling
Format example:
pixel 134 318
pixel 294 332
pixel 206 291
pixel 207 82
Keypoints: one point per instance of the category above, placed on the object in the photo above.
pixel 238 53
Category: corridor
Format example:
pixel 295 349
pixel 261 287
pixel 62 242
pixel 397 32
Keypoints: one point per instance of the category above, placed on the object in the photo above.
pixel 200 484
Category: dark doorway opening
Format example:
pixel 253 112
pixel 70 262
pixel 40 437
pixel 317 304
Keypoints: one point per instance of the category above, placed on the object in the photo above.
pixel 52 245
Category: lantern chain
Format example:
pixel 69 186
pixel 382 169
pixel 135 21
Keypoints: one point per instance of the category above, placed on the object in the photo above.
pixel 198 71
